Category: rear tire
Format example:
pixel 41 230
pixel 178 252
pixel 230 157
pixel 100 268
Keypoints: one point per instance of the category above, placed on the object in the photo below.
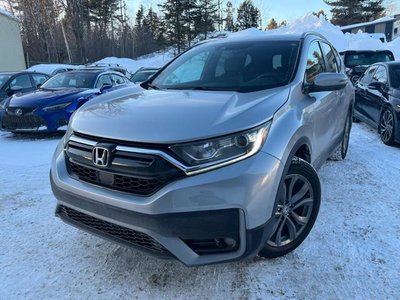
pixel 340 152
pixel 296 209
pixel 387 127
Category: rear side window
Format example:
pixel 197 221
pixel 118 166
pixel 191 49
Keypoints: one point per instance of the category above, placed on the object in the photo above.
pixel 315 63
pixel 380 75
pixel 117 79
pixel 330 58
pixel 39 78
pixel 367 77
pixel 104 80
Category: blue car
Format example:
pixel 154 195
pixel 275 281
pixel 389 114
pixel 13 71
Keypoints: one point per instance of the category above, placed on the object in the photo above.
pixel 49 108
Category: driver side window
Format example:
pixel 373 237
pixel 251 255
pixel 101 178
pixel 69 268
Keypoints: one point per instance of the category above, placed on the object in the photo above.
pixel 22 81
pixel 315 63
pixel 103 80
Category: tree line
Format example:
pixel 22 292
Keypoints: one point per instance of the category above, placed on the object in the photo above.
pixel 81 31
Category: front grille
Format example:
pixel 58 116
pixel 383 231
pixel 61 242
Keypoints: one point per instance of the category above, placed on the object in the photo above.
pixel 136 173
pixel 13 122
pixel 127 235
pixel 140 186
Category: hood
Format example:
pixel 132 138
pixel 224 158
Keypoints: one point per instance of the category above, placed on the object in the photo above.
pixel 44 97
pixel 154 116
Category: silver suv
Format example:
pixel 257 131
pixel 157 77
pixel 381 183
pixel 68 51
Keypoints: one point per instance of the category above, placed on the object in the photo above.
pixel 214 158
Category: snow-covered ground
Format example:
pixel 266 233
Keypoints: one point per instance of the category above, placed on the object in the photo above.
pixel 352 252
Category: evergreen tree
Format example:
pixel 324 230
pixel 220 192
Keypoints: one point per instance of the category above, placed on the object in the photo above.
pixel 272 24
pixel 229 24
pixel 205 16
pixel 178 22
pixel 345 12
pixel 247 15
pixel 374 10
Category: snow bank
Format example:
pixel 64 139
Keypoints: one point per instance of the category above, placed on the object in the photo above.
pixel 8 14
pixel 132 65
pixel 341 41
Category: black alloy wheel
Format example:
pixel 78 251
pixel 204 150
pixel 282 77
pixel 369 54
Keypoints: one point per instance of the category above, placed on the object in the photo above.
pixel 387 127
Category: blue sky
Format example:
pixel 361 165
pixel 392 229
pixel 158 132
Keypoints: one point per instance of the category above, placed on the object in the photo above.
pixel 278 9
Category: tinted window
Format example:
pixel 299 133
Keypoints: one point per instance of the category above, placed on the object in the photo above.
pixel 232 66
pixel 367 77
pixel 395 76
pixel 103 80
pixel 4 78
pixel 330 57
pixel 39 78
pixel 71 80
pixel 366 58
pixel 380 75
pixel 315 63
pixel 142 76
pixel 22 81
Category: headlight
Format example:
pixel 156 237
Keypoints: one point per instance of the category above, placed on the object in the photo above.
pixel 223 150
pixel 57 106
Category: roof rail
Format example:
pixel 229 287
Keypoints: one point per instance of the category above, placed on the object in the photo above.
pixel 306 33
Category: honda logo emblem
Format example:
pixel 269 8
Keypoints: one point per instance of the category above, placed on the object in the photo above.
pixel 101 156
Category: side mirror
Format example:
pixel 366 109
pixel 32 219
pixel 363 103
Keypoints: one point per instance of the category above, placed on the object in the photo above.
pixel 327 82
pixel 38 85
pixel 13 90
pixel 105 87
pixel 380 86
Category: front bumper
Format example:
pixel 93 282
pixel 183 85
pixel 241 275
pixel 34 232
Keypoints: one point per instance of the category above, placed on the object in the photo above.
pixel 36 121
pixel 188 219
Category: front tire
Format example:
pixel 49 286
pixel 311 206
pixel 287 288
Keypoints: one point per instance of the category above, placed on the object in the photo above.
pixel 296 209
pixel 387 127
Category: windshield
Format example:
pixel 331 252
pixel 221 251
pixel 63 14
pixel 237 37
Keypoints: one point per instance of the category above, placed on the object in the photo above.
pixel 4 78
pixel 394 73
pixel 367 58
pixel 71 80
pixel 235 66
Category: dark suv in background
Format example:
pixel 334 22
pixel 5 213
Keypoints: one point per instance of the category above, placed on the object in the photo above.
pixel 20 82
pixel 357 62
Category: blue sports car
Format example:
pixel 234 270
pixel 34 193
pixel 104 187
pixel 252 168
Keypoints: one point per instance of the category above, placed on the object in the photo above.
pixel 49 108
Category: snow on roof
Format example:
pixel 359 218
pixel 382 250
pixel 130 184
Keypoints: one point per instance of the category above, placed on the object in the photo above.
pixel 8 14
pixel 377 21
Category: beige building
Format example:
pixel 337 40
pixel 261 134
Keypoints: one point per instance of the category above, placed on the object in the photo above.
pixel 11 52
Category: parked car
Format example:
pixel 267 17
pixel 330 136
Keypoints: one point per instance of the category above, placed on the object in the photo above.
pixel 213 159
pixel 50 107
pixel 20 82
pixel 378 100
pixel 62 70
pixel 143 74
pixel 357 62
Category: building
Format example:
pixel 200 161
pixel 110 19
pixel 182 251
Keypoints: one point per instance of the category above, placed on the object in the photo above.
pixel 11 52
pixel 387 26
